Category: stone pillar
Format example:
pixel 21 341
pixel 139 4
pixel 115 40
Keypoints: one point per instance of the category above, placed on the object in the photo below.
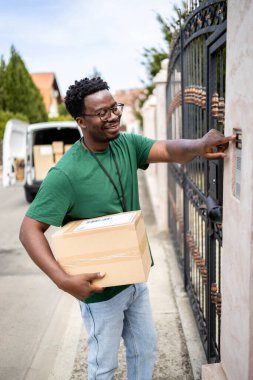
pixel 149 129
pixel 155 126
pixel 160 82
pixel 237 257
pixel 149 117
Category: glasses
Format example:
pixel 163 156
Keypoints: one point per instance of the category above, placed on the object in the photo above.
pixel 105 113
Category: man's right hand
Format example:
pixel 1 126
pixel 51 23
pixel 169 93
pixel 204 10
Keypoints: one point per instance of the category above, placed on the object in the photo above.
pixel 33 239
pixel 80 286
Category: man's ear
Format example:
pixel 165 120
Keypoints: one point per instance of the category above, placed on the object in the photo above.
pixel 80 121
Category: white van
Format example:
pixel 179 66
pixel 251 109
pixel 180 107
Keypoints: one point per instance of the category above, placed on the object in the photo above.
pixel 29 150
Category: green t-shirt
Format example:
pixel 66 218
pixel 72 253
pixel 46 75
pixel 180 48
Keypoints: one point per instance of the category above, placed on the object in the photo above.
pixel 77 187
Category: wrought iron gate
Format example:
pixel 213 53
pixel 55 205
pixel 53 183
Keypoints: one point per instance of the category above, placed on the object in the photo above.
pixel 196 103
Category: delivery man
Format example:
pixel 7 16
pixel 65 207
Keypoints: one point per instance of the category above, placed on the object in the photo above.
pixel 96 177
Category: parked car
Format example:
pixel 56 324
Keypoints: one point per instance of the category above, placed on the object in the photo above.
pixel 29 150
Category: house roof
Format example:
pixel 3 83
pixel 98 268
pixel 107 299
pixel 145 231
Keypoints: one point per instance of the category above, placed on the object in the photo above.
pixel 43 80
pixel 46 82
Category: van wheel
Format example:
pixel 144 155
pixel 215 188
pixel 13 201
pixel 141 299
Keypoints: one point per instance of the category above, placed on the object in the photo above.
pixel 29 195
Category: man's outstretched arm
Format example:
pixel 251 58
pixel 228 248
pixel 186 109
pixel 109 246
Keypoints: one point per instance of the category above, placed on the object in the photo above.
pixel 34 241
pixel 211 146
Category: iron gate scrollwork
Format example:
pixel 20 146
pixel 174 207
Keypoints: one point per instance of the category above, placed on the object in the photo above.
pixel 196 103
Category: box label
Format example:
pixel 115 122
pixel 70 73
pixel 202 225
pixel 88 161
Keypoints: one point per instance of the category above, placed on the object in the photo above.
pixel 46 150
pixel 107 221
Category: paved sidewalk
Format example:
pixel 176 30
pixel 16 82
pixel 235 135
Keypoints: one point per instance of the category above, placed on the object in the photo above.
pixel 180 352
pixel 62 351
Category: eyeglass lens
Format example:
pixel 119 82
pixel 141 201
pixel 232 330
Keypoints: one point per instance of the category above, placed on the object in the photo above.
pixel 106 113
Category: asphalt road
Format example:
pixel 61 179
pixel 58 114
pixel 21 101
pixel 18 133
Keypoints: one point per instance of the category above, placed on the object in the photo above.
pixel 34 314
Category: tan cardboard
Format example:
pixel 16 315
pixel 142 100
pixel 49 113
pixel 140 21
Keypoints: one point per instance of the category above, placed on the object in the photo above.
pixel 43 160
pixel 57 157
pixel 116 244
pixel 67 147
pixel 19 169
pixel 57 147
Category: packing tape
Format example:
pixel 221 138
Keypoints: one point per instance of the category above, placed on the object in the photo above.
pixel 130 253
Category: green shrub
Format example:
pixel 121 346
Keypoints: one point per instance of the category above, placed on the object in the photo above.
pixel 62 110
pixel 61 118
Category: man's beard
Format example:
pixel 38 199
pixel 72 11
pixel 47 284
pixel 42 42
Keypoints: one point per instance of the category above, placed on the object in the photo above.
pixel 113 138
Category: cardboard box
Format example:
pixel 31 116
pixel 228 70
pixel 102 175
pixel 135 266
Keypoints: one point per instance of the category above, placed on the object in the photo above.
pixel 57 147
pixel 67 147
pixel 43 160
pixel 19 169
pixel 57 157
pixel 116 244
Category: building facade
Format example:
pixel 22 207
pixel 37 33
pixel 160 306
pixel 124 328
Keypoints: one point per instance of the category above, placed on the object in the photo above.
pixel 50 92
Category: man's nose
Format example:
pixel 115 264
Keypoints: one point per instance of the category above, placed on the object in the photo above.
pixel 112 116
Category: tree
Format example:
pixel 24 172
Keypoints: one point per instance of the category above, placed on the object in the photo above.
pixel 95 74
pixel 62 110
pixel 153 56
pixel 2 84
pixel 22 96
pixel 152 61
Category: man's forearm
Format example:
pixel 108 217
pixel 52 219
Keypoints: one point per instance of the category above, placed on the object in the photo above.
pixel 211 146
pixel 183 150
pixel 33 239
pixel 36 245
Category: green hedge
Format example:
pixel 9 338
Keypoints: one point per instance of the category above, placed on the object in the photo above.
pixel 5 116
pixel 61 118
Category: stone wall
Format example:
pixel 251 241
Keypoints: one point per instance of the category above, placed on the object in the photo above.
pixel 237 256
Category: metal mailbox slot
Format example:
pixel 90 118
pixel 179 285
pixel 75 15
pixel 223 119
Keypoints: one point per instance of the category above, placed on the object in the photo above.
pixel 237 164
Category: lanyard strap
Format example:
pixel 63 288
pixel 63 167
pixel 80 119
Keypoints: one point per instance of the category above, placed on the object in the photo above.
pixel 123 200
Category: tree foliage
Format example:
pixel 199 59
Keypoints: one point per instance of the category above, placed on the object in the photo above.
pixel 95 73
pixel 62 110
pixel 152 61
pixel 153 56
pixel 21 94
pixel 2 84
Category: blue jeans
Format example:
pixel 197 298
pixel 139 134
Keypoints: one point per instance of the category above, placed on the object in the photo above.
pixel 127 315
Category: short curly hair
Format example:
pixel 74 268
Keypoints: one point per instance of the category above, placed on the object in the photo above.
pixel 78 91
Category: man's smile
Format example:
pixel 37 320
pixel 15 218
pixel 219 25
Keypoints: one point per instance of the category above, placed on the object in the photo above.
pixel 112 126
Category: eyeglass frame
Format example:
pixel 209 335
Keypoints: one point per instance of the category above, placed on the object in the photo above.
pixel 107 109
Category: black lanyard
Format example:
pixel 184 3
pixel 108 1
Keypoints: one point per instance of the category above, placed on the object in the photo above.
pixel 123 200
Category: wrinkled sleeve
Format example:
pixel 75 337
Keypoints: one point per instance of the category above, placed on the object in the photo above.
pixel 53 200
pixel 142 147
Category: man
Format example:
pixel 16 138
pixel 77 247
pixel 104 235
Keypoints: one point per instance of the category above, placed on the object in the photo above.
pixel 98 176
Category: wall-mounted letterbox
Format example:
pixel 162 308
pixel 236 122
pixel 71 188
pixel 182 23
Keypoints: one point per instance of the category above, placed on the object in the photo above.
pixel 237 164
